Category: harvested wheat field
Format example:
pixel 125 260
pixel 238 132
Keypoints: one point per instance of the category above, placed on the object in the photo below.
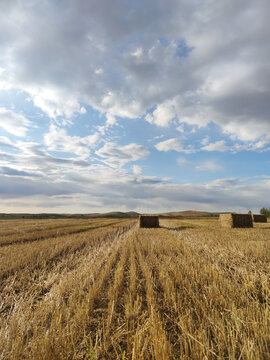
pixel 107 289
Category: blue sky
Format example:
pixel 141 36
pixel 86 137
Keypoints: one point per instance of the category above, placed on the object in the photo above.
pixel 148 106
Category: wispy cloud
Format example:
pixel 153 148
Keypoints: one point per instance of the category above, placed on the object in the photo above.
pixel 173 144
pixel 216 146
pixel 209 165
pixel 117 156
pixel 137 170
pixel 15 124
pixel 57 139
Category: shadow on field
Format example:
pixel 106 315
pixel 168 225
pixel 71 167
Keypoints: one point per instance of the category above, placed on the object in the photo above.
pixel 178 228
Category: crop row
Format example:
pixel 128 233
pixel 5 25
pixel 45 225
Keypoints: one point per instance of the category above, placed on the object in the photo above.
pixel 144 294
pixel 53 230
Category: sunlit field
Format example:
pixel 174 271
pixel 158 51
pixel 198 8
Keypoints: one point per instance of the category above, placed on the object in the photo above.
pixel 106 289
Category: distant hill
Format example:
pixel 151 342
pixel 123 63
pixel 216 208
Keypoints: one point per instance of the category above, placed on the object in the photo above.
pixel 111 214
pixel 188 213
pixel 117 214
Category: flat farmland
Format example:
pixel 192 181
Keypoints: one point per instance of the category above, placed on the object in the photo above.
pixel 106 289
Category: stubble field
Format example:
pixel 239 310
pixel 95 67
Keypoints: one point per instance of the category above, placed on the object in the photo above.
pixel 106 289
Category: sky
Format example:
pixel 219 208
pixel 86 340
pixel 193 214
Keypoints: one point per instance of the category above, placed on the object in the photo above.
pixel 144 105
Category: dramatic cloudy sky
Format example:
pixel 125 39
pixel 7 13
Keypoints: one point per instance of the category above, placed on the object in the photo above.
pixel 146 105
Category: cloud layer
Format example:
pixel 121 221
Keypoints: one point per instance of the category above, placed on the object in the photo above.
pixel 198 62
pixel 187 66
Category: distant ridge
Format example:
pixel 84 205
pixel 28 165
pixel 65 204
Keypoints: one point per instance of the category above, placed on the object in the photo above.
pixel 111 214
pixel 116 214
pixel 188 213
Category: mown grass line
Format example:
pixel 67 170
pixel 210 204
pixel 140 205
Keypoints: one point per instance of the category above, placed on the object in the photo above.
pixel 61 249
pixel 160 347
pixel 65 326
pixel 22 277
pixel 113 326
pixel 59 233
pixel 80 295
pixel 107 317
pixel 25 228
pixel 90 311
pixel 212 299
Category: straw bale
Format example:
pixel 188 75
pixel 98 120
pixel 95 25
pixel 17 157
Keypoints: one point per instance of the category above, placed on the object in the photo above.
pixel 149 221
pixel 259 218
pixel 233 220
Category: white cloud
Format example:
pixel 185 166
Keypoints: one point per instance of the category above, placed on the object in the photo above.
pixel 258 146
pixel 184 162
pixel 104 189
pixel 5 142
pixel 82 110
pixel 205 141
pixel 173 144
pixel 99 71
pixel 162 115
pixel 111 120
pixel 39 182
pixel 15 124
pixel 117 156
pixel 170 144
pixel 118 69
pixel 216 146
pixel 225 184
pixel 57 139
pixel 252 130
pixel 137 53
pixel 137 170
pixel 55 102
pixel 209 165
pixel 180 128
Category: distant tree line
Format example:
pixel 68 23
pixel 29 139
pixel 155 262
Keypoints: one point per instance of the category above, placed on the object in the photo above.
pixel 265 211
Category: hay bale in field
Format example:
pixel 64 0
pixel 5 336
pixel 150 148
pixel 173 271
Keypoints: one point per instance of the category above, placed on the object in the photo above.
pixel 259 218
pixel 148 221
pixel 233 220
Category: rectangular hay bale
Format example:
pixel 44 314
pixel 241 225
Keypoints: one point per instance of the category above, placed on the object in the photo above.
pixel 233 220
pixel 149 221
pixel 259 218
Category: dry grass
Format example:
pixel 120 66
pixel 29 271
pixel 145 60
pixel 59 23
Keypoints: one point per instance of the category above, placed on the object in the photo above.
pixel 40 229
pixel 187 290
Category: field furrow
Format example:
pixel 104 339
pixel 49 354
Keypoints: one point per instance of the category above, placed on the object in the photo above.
pixel 35 280
pixel 32 236
pixel 73 298
pixel 44 252
pixel 20 227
